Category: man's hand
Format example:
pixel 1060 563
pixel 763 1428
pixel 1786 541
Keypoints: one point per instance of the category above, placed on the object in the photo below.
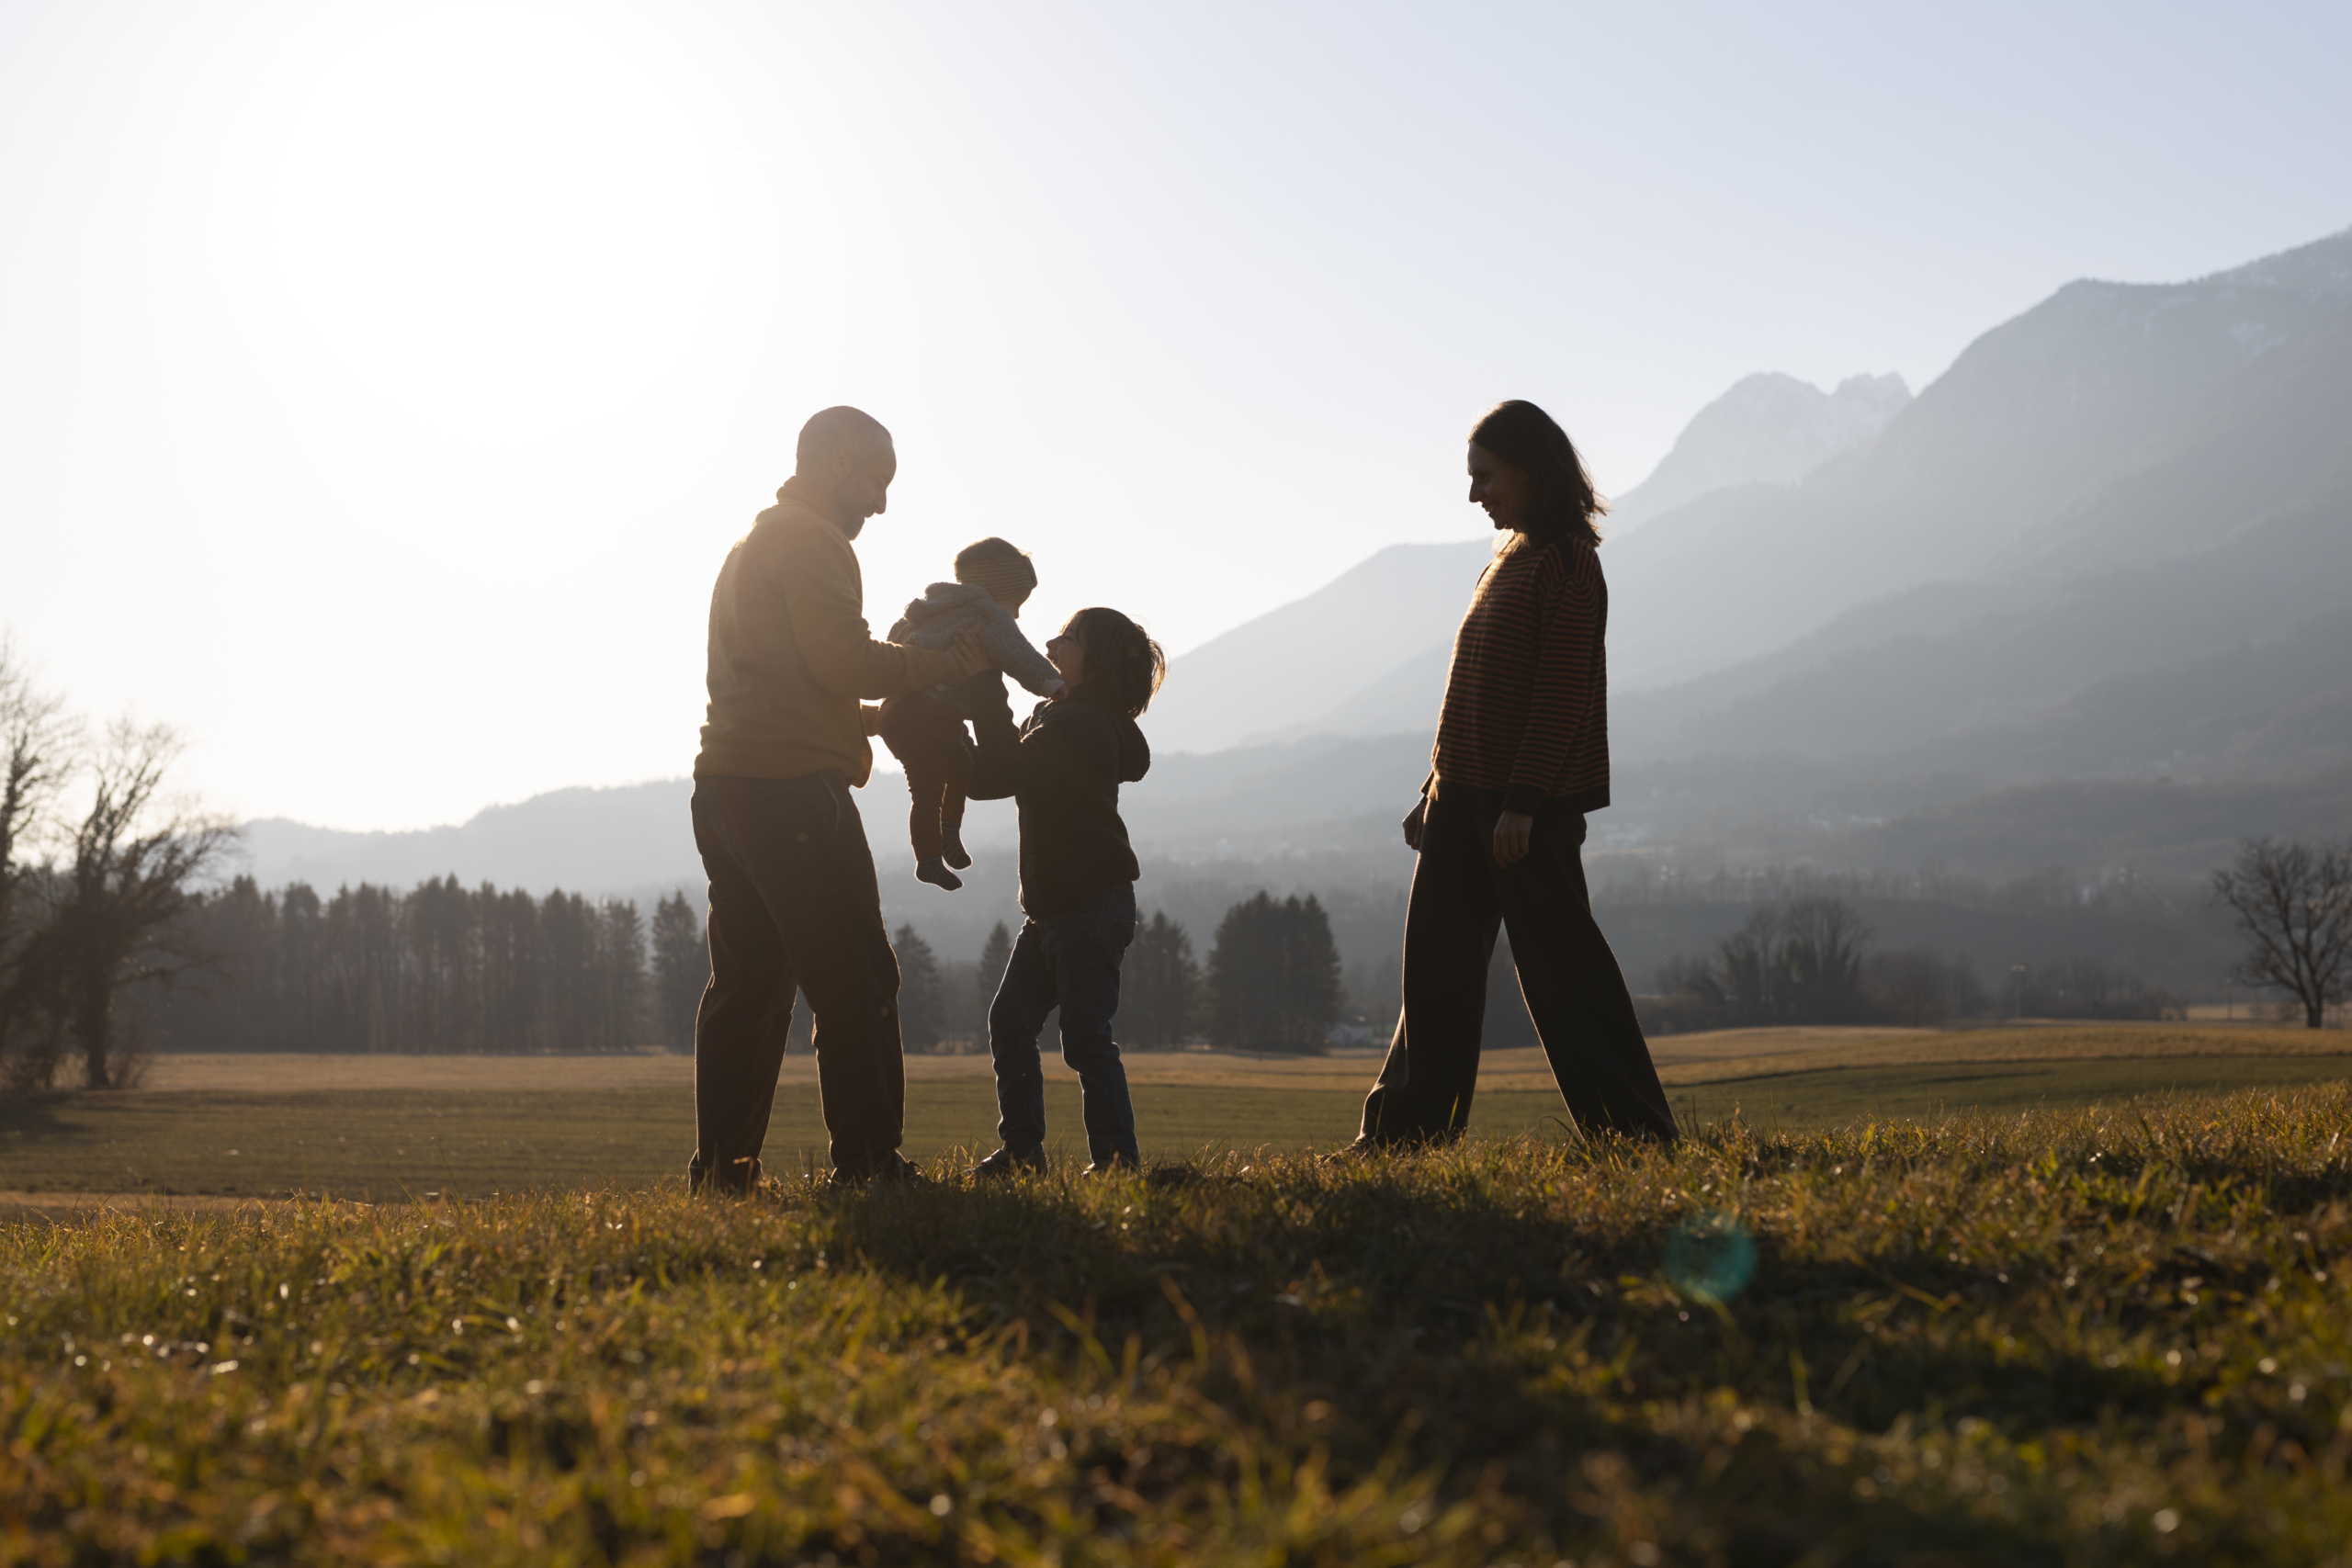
pixel 971 659
pixel 1514 831
pixel 1413 820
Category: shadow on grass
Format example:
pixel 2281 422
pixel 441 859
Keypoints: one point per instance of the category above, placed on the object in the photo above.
pixel 1990 1339
pixel 1524 1347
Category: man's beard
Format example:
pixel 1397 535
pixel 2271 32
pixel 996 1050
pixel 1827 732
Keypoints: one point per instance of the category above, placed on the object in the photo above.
pixel 850 527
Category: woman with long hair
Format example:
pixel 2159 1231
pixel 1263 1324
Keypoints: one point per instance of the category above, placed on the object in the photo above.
pixel 1521 756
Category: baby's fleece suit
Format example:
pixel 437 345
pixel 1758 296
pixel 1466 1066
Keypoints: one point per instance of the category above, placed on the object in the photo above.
pixel 925 730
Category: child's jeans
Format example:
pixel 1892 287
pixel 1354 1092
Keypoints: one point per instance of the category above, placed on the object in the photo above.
pixel 929 740
pixel 1069 961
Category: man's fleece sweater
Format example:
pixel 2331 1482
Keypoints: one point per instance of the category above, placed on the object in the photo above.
pixel 1526 713
pixel 790 653
pixel 948 608
pixel 1063 768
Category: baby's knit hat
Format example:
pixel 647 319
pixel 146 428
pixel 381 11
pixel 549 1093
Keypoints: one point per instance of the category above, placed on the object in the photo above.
pixel 997 568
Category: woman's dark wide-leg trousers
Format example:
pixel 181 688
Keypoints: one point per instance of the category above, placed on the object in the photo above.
pixel 1574 992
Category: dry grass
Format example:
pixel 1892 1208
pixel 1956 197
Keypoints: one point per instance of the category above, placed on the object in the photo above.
pixel 2030 1042
pixel 1683 1058
pixel 2093 1337
pixel 383 1128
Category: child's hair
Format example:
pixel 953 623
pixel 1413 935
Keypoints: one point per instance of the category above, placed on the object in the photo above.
pixel 1123 664
pixel 995 565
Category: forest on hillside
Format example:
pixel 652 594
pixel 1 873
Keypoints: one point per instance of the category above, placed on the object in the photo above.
pixel 443 968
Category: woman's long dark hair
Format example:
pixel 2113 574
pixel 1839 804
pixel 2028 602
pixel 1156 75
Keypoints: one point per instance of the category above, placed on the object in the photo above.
pixel 1526 437
pixel 1123 666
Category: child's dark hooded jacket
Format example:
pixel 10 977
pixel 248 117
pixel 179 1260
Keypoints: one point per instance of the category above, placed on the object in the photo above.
pixel 1063 769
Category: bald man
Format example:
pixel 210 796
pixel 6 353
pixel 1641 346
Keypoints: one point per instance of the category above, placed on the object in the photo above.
pixel 794 903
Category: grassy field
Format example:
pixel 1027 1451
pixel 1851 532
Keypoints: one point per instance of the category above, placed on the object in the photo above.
pixel 2096 1337
pixel 379 1128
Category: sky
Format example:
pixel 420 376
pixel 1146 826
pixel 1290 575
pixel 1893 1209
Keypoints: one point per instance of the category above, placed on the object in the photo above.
pixel 381 386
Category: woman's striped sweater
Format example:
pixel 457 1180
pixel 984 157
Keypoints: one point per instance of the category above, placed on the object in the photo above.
pixel 1526 708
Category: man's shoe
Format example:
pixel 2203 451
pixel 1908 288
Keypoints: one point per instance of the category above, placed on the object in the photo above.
pixel 1361 1150
pixel 1009 1161
pixel 900 1171
pixel 739 1179
pixel 1112 1168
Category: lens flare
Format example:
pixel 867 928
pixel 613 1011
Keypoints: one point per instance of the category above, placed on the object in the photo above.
pixel 1710 1257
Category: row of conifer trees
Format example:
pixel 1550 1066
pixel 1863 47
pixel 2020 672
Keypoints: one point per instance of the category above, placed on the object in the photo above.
pixel 442 967
pixel 1271 982
pixel 446 968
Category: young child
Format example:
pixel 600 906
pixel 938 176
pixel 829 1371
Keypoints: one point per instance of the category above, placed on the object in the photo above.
pixel 1064 768
pixel 925 730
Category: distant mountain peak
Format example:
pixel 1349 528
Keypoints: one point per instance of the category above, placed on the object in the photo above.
pixel 1769 428
pixel 2290 282
pixel 2319 270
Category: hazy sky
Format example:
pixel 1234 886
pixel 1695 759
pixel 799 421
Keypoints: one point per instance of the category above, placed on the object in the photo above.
pixel 381 386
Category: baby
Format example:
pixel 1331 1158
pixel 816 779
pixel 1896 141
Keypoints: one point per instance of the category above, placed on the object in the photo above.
pixel 925 730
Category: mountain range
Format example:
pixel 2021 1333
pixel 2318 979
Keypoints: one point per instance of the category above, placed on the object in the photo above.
pixel 2166 596
pixel 1768 429
pixel 2086 600
pixel 2190 434
pixel 1346 637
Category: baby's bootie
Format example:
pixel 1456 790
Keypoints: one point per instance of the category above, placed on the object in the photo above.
pixel 934 870
pixel 952 850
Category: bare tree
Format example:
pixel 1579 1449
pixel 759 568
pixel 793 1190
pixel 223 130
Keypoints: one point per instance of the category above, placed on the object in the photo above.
pixel 137 857
pixel 37 749
pixel 1749 986
pixel 2294 904
pixel 1823 953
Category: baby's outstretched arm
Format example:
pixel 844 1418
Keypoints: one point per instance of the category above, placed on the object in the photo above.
pixel 1016 658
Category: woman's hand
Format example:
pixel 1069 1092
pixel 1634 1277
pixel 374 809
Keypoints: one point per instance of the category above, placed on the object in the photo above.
pixel 971 659
pixel 1413 820
pixel 1514 833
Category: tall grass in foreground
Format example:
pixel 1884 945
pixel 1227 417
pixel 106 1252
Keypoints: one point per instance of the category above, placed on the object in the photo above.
pixel 2088 1338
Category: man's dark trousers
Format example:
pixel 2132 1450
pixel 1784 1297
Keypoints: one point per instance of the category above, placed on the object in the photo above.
pixel 1574 992
pixel 794 905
